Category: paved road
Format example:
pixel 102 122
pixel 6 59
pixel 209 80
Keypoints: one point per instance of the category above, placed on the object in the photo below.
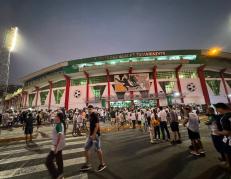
pixel 128 154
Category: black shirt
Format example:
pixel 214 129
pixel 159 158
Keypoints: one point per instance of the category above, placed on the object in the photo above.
pixel 94 119
pixel 112 114
pixel 29 122
pixel 226 121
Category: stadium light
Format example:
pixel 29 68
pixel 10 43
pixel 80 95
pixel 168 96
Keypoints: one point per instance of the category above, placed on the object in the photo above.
pixel 176 94
pixel 11 39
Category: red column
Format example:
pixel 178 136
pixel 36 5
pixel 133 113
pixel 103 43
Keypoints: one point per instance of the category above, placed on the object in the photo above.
pixel 25 101
pixel 36 99
pixel 108 88
pixel 67 91
pixel 131 92
pixel 224 84
pixel 50 93
pixel 155 85
pixel 201 76
pixel 178 82
pixel 87 87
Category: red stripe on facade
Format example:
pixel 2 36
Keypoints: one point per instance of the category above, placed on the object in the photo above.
pixel 178 82
pixel 50 93
pixel 201 76
pixel 67 93
pixel 224 84
pixel 108 88
pixel 155 85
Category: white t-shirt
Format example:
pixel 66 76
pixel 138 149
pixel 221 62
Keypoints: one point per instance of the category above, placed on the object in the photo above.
pixel 139 117
pixel 133 116
pixel 162 115
pixel 193 122
pixel 58 129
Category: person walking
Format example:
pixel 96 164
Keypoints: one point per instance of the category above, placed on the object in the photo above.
pixel 58 143
pixel 225 121
pixel 163 123
pixel 214 125
pixel 193 132
pixel 93 140
pixel 174 124
pixel 28 126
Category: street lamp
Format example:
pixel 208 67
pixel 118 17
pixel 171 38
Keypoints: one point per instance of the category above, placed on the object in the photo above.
pixel 214 51
pixel 10 43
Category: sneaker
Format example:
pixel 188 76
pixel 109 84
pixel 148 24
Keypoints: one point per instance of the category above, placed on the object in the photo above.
pixel 101 167
pixel 194 153
pixel 152 142
pixel 85 168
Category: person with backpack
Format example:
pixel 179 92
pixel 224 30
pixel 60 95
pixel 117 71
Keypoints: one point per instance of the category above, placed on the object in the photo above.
pixel 163 123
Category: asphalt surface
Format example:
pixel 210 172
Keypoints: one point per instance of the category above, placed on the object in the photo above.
pixel 128 154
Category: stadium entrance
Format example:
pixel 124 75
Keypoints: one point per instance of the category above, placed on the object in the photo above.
pixel 137 103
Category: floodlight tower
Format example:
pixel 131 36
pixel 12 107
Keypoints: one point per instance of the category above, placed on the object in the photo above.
pixel 8 48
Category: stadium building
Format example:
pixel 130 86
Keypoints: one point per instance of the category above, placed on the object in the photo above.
pixel 145 79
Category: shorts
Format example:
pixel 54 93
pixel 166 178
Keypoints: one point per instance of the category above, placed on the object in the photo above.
pixel 174 126
pixel 89 143
pixel 28 131
pixel 193 135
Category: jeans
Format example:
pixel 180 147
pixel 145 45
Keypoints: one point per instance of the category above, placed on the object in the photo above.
pixel 54 172
pixel 133 124
pixel 164 127
pixel 157 132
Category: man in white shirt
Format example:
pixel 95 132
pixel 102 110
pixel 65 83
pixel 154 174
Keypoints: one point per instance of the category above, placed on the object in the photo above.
pixel 163 123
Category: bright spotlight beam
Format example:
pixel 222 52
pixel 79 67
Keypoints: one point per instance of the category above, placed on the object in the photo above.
pixel 14 38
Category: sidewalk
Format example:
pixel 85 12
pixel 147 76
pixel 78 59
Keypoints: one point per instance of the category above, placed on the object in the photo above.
pixel 16 134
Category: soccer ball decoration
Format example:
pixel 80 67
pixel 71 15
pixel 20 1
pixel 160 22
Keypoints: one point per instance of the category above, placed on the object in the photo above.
pixel 77 93
pixel 191 87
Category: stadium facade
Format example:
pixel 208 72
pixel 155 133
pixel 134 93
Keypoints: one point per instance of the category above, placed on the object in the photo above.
pixel 145 79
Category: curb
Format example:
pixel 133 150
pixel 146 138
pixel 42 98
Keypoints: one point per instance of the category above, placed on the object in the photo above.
pixel 21 138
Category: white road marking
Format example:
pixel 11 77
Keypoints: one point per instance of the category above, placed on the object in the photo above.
pixel 37 156
pixel 37 168
pixel 47 140
pixel 80 176
pixel 40 147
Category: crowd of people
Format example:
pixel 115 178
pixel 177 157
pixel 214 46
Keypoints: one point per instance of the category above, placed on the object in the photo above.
pixel 155 122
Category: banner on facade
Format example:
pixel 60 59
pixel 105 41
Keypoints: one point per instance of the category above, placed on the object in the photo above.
pixel 132 82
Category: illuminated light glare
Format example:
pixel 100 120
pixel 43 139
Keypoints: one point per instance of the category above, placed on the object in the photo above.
pixel 14 38
pixel 214 51
pixel 229 95
pixel 176 94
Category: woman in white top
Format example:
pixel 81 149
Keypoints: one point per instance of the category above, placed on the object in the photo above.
pixel 139 118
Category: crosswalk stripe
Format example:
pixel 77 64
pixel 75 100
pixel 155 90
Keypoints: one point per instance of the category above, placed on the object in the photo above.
pixel 80 176
pixel 37 168
pixel 48 140
pixel 40 147
pixel 38 156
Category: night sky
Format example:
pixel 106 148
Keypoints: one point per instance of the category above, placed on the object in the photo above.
pixel 52 31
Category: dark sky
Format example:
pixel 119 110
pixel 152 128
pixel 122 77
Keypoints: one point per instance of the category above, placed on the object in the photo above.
pixel 56 30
